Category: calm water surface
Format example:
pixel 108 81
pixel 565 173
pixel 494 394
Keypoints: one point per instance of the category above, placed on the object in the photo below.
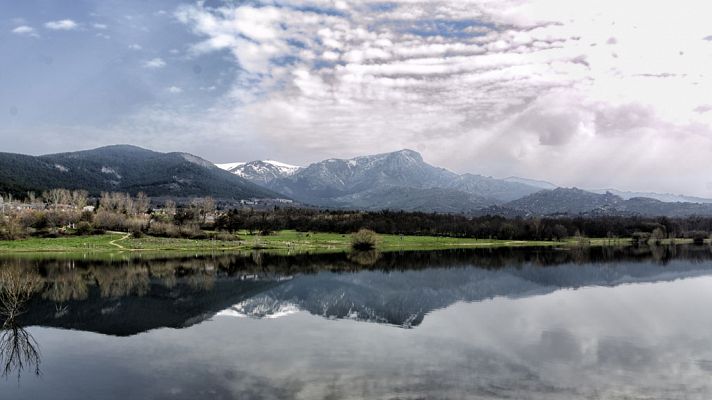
pixel 477 324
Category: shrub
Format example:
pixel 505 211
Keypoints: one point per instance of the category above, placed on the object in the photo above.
pixel 657 236
pixel 134 225
pixel 10 229
pixel 33 219
pixel 640 237
pixel 364 239
pixel 698 237
pixel 87 216
pixel 110 220
pixel 163 229
pixel 224 236
pixel 192 231
pixel 84 228
pixel 61 218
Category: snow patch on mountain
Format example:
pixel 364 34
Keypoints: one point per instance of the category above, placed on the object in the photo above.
pixel 261 171
pixel 260 307
pixel 110 171
pixel 229 166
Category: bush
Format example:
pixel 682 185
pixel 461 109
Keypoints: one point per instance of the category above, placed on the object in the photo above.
pixel 192 231
pixel 364 239
pixel 135 225
pixel 87 216
pixel 640 237
pixel 698 237
pixel 84 228
pixel 111 221
pixel 224 236
pixel 10 229
pixel 33 219
pixel 163 229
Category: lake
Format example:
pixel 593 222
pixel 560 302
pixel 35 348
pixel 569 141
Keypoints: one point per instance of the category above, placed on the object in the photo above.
pixel 582 323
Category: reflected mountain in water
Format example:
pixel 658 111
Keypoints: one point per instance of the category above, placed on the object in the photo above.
pixel 404 298
pixel 130 297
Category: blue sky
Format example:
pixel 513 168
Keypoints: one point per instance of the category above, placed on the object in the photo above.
pixel 97 71
pixel 592 94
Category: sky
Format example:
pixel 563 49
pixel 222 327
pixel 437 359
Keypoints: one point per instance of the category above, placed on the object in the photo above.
pixel 587 94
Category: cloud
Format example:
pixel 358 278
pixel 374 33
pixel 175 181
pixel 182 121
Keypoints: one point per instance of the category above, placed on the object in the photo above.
pixel 543 88
pixel 25 30
pixel 61 25
pixel 135 46
pixel 175 90
pixel 100 26
pixel 155 63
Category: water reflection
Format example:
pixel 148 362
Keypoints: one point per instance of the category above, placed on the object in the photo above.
pixel 126 297
pixel 18 348
pixel 495 323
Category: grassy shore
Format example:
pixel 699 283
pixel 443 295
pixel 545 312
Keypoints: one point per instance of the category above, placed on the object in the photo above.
pixel 283 241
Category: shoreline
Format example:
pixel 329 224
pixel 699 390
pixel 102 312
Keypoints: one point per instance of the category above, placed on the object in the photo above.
pixel 280 242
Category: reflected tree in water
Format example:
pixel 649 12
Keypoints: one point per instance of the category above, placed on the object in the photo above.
pixel 125 281
pixel 18 349
pixel 365 258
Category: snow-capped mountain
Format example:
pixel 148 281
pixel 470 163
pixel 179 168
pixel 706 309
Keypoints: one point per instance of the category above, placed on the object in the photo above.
pixel 261 172
pixel 405 298
pixel 396 180
pixel 402 180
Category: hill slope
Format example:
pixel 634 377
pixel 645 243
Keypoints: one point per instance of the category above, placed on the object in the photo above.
pixel 565 201
pixel 126 169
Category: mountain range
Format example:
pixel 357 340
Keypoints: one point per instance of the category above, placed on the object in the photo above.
pixel 399 180
pixel 402 180
pixel 124 168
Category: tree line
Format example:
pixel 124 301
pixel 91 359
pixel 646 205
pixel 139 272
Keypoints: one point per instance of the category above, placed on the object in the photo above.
pixel 451 225
pixel 60 212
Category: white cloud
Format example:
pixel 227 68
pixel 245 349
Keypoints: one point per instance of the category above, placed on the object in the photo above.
pixel 61 25
pixel 545 88
pixel 154 63
pixel 175 90
pixel 135 46
pixel 100 26
pixel 25 30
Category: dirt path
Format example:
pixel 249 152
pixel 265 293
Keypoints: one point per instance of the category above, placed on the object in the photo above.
pixel 114 242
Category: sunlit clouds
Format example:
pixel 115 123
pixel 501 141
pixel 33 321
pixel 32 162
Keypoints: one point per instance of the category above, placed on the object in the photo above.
pixel 587 94
pixel 550 88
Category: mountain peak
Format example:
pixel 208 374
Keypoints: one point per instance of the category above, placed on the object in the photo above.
pixel 409 154
pixel 261 171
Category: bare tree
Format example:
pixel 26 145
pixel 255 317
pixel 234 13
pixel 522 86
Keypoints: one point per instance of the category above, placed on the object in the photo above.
pixel 204 206
pixel 141 203
pixel 170 208
pixel 18 349
pixel 79 198
pixel 57 197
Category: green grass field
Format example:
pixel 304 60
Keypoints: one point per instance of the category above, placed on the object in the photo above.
pixel 283 241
